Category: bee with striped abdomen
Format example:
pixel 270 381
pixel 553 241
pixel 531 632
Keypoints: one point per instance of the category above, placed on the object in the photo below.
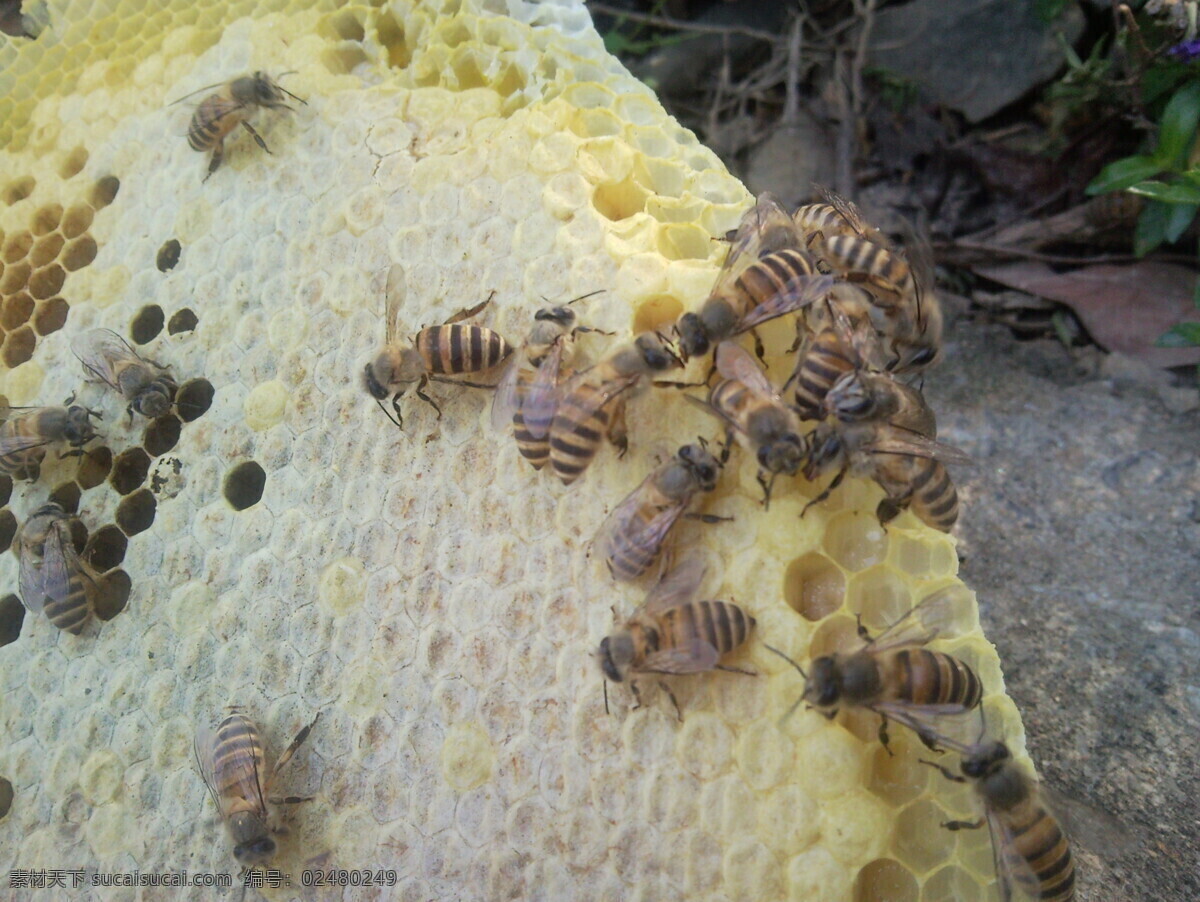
pixel 231 760
pixel 833 215
pixel 435 354
pixel 231 105
pixel 27 432
pixel 632 536
pixel 767 273
pixel 752 410
pixel 52 578
pixel 869 396
pixel 672 633
pixel 146 385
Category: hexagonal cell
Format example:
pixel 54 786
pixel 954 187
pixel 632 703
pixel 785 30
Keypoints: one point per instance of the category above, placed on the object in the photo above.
pixel 17 247
pixel 244 485
pixel 18 346
pixel 391 35
pixel 182 321
pixel 161 435
pixel 18 189
pixel 886 879
pixel 15 310
pixel 656 312
pixel 105 548
pixel 46 248
pixel 168 255
pixel 951 884
pixel 73 163
pixel 77 220
pixel 194 398
pixel 113 595
pixel 8 528
pixel 837 634
pixel 46 219
pixel 50 316
pixel 93 468
pixel 880 595
pixel 684 241
pixel 5 487
pixel 814 586
pixel 129 470
pixel 855 540
pixel 67 497
pixel 920 842
pixel 79 534
pixel 136 513
pixel 897 778
pixel 105 191
pixel 147 324
pixel 46 283
pixel 16 277
pixel 12 616
pixel 79 253
pixel 619 201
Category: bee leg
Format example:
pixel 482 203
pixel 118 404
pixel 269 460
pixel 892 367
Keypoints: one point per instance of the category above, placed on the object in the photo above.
pixel 884 740
pixel 766 487
pixel 283 759
pixel 618 434
pixel 468 312
pixel 671 695
pixel 862 630
pixel 760 350
pixel 218 154
pixel 837 480
pixel 708 518
pixel 398 419
pixel 890 508
pixel 637 695
pixel 424 397
pixel 946 772
pixel 928 740
pixel 579 329
pixel 129 410
pixel 729 669
pixel 964 825
pixel 257 137
pixel 290 800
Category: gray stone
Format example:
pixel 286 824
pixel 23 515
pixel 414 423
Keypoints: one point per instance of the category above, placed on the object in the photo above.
pixel 791 159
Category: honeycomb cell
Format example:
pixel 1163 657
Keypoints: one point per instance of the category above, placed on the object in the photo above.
pixel 19 189
pixel 855 540
pixel 684 241
pixel 162 435
pixel 105 548
pixel 129 470
pixel 18 346
pixel 911 840
pixel 880 595
pixel 886 879
pixel 12 616
pixel 838 634
pixel 45 249
pixel 147 324
pixel 6 796
pixel 813 586
pixel 93 468
pixel 194 398
pixel 244 485
pixel 76 220
pixel 15 310
pixel 46 219
pixel 17 247
pixel 46 283
pixel 104 192
pixel 73 163
pixel 67 496
pixel 184 320
pixel 113 594
pixel 8 528
pixel 79 534
pixel 168 255
pixel 898 776
pixel 620 201
pixel 656 312
pixel 5 481
pixel 49 316
pixel 79 253
pixel 135 513
pixel 16 276
pixel 951 884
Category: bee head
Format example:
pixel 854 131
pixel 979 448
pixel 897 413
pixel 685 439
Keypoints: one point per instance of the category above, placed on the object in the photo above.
pixel 371 380
pixel 563 316
pixel 656 353
pixel 78 430
pixel 255 852
pixel 252 844
pixel 783 455
pixel 824 683
pixel 985 759
pixel 155 399
pixel 849 399
pixel 693 338
pixel 702 464
pixel 825 445
pixel 616 652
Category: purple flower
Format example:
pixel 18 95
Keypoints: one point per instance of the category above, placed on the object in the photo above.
pixel 1186 51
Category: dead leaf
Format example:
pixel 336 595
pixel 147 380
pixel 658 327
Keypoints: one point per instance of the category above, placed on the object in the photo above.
pixel 1125 308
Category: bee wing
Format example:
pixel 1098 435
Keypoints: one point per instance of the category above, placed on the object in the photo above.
pixel 29 579
pixel 621 523
pixel 765 228
pixel 799 291
pixel 58 562
pixel 394 295
pixel 934 616
pixel 696 656
pixel 541 395
pixel 1099 831
pixel 100 350
pixel 847 209
pixel 197 91
pixel 595 400
pixel 946 726
pixel 735 363
pixel 205 746
pixel 12 442
pixel 1011 868
pixel 240 771
pixel 898 440
pixel 677 586
pixel 507 399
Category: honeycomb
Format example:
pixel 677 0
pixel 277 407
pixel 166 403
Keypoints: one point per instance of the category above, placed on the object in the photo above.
pixel 277 543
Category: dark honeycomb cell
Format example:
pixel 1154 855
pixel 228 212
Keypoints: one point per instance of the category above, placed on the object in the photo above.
pixel 67 497
pixel 136 513
pixel 105 191
pixel 16 277
pixel 79 535
pixel 8 528
pixel 17 247
pixel 94 465
pixel 77 220
pixel 113 595
pixel 6 787
pixel 168 255
pixel 129 470
pixel 391 35
pixel 244 485
pixel 5 487
pixel 106 548
pixel 194 398
pixel 147 324
pixel 162 435
pixel 12 616
pixel 46 249
pixel 18 346
pixel 15 310
pixel 19 189
pixel 50 316
pixel 46 219
pixel 73 163
pixel 79 253
pixel 183 321
pixel 46 283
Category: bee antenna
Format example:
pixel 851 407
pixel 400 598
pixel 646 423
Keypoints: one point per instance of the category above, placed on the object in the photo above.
pixel 399 424
pixel 584 296
pixel 606 711
pixel 789 660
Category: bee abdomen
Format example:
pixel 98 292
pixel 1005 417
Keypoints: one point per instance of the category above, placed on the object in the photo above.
pixel 822 365
pixel 932 678
pixel 772 275
pixel 74 610
pixel 456 348
pixel 574 438
pixel 722 624
pixel 935 500
pixel 1040 841
pixel 237 736
pixel 627 560
pixel 534 450
pixel 208 124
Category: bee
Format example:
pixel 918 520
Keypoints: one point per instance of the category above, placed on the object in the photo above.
pixel 753 411
pixel 528 391
pixel 234 102
pixel 834 215
pixel 896 677
pixel 591 405
pixel 52 578
pixel 25 436
pixel 231 760
pixel 632 536
pixel 766 274
pixel 146 385
pixel 672 633
pixel 909 466
pixel 437 352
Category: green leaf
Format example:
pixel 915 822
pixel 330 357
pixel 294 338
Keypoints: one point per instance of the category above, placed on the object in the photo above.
pixel 1161 78
pixel 1184 335
pixel 1168 192
pixel 1121 174
pixel 1048 10
pixel 1177 128
pixel 1151 228
pixel 1181 217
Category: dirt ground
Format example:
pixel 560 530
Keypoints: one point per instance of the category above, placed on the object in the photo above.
pixel 1081 535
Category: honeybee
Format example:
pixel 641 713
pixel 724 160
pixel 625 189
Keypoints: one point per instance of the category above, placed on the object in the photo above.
pixel 896 677
pixel 672 633
pixel 753 411
pixel 862 395
pixel 221 112
pixel 53 579
pixel 231 761
pixel 591 405
pixel 909 466
pixel 25 435
pixel 834 215
pixel 632 536
pixel 528 391
pixel 766 274
pixel 437 352
pixel 147 386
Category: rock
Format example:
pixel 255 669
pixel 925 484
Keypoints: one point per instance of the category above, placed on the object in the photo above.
pixel 791 159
